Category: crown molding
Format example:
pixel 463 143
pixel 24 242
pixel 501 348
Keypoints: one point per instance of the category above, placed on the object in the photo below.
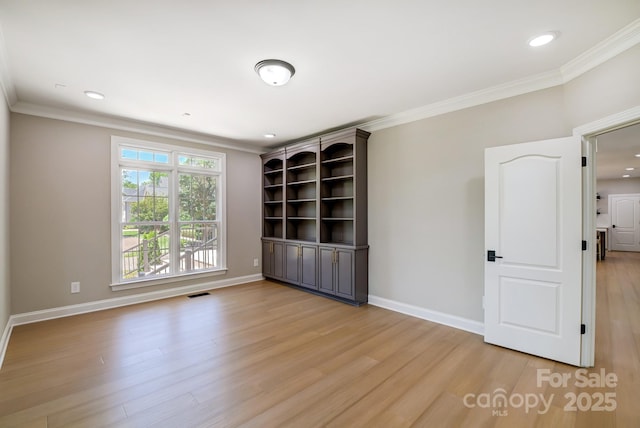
pixel 617 43
pixel 130 126
pixel 483 96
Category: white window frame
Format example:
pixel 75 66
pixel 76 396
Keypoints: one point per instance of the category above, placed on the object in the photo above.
pixel 117 142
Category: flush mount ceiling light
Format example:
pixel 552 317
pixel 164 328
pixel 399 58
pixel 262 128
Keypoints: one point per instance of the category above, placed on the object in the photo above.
pixel 95 95
pixel 626 176
pixel 272 135
pixel 274 71
pixel 543 39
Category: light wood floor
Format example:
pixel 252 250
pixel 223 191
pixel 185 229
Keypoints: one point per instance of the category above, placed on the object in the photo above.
pixel 265 355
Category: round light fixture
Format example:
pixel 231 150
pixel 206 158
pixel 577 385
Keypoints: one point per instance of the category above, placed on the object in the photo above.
pixel 626 176
pixel 274 71
pixel 543 39
pixel 95 95
pixel 272 135
pixel 629 169
pixel 637 155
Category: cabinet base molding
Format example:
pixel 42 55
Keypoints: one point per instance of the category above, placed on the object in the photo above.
pixel 317 293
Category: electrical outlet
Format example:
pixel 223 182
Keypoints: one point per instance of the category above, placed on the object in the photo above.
pixel 75 287
pixel 256 263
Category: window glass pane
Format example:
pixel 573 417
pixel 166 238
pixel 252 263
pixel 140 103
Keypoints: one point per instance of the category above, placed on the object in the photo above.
pixel 198 246
pixel 198 197
pixel 130 153
pixel 161 157
pixel 145 251
pixel 150 200
pixel 200 162
pixel 130 195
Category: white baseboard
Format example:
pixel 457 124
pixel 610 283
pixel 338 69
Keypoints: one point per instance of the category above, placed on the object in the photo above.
pixel 429 315
pixel 99 305
pixel 4 340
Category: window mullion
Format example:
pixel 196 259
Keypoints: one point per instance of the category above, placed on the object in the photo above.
pixel 174 221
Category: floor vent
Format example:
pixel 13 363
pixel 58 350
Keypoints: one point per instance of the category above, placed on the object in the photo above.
pixel 198 295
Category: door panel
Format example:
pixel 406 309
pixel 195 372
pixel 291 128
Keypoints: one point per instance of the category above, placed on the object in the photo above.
pixel 344 273
pixel 291 262
pixel 309 269
pixel 529 191
pixel 625 215
pixel 278 259
pixel 533 212
pixel 326 270
pixel 267 259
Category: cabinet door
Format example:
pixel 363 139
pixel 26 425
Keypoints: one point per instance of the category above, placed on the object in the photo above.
pixel 291 263
pixel 344 273
pixel 326 270
pixel 278 259
pixel 272 259
pixel 267 259
pixel 309 266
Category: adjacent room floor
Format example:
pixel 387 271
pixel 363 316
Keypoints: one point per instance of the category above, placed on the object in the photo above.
pixel 264 354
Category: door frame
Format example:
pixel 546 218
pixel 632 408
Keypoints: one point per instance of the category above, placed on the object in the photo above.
pixel 588 133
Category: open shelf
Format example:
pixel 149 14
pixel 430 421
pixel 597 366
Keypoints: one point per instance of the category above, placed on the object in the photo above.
pixel 273 196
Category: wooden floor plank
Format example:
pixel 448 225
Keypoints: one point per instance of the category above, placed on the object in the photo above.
pixel 263 354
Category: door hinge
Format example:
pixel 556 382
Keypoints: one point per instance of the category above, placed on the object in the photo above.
pixel 584 245
pixel 583 329
pixel 584 161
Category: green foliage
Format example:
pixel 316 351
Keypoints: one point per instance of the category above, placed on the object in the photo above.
pixel 150 209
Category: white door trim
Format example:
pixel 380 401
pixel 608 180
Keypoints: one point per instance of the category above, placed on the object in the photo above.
pixel 588 132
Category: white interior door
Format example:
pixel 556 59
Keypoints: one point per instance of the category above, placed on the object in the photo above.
pixel 533 222
pixel 625 222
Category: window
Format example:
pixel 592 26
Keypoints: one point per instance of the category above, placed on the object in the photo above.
pixel 167 211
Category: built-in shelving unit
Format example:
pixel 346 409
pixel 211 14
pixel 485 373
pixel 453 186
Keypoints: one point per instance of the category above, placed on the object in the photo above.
pixel 315 215
pixel 273 195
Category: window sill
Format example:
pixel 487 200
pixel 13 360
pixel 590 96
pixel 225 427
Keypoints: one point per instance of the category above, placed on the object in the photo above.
pixel 140 283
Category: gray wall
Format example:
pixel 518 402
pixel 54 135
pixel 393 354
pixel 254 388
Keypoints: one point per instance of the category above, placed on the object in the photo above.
pixel 426 201
pixel 60 213
pixel 5 295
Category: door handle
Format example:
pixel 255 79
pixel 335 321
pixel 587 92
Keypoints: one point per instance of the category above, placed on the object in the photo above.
pixel 491 256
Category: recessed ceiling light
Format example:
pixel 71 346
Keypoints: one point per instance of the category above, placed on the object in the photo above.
pixel 94 95
pixel 638 155
pixel 543 39
pixel 629 169
pixel 626 176
pixel 270 135
pixel 275 72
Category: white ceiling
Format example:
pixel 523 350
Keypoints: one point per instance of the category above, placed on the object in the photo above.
pixel 355 61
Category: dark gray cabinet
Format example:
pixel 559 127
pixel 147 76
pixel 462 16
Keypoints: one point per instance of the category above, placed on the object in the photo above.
pixel 343 273
pixel 273 259
pixel 301 263
pixel 315 209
